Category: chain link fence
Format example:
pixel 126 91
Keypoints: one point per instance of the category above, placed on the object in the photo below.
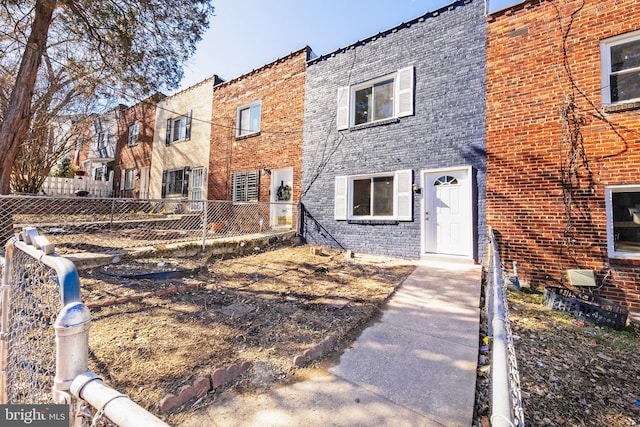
pixel 30 304
pixel 44 346
pixel 507 408
pixel 101 225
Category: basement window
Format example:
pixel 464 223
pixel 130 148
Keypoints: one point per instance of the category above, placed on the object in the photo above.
pixel 623 221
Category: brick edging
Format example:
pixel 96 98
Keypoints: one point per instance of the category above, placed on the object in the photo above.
pixel 202 385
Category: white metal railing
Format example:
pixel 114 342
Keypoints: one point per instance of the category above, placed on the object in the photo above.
pixel 507 409
pixel 45 334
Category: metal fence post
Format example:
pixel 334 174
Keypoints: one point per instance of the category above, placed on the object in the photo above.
pixel 72 348
pixel 4 322
pixel 205 223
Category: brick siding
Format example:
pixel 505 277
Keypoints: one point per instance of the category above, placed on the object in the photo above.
pixel 447 51
pixel 138 156
pixel 279 86
pixel 530 79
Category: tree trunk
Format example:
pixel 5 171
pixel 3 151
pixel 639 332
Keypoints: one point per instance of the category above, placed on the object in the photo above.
pixel 15 123
pixel 16 120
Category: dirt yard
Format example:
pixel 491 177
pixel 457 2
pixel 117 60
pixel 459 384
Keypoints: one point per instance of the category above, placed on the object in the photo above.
pixel 265 308
pixel 572 372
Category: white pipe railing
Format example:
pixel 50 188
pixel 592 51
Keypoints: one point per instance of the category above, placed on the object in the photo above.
pixel 114 405
pixel 505 388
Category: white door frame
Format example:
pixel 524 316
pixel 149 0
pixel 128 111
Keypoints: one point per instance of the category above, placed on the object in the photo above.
pixel 467 251
pixel 280 208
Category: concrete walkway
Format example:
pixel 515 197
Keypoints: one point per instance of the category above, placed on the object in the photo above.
pixel 415 367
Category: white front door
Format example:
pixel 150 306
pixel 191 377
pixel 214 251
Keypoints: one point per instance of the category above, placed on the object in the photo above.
pixel 282 197
pixel 447 212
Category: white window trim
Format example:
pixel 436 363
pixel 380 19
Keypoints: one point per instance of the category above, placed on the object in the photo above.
pixel 135 136
pixel 134 173
pixel 403 93
pixel 608 201
pixel 605 65
pixel 242 108
pixel 402 196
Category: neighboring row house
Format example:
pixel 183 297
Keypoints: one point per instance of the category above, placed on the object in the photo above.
pixel 182 142
pixel 135 145
pixel 413 141
pixel 563 127
pixel 256 137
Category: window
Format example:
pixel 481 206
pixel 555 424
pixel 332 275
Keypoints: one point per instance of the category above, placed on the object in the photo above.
pixel 623 221
pixel 246 186
pixel 374 102
pixel 387 97
pixel 175 182
pixel 134 131
pixel 98 173
pixel 375 196
pixel 248 119
pixel 103 139
pixel 620 68
pixel 130 179
pixel 178 129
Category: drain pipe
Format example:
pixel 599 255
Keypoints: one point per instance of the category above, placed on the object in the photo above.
pixel 114 405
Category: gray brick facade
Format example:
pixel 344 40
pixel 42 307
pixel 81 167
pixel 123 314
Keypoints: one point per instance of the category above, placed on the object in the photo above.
pixel 447 129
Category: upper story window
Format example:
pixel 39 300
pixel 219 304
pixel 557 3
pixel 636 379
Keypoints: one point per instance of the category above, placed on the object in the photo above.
pixel 387 97
pixel 623 221
pixel 134 131
pixel 248 119
pixel 384 196
pixel 178 129
pixel 620 68
pixel 103 139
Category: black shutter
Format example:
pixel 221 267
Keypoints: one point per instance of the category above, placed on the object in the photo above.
pixel 164 184
pixel 167 140
pixel 187 134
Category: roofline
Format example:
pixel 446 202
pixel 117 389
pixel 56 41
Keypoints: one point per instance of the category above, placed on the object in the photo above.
pixel 307 50
pixel 523 4
pixel 421 18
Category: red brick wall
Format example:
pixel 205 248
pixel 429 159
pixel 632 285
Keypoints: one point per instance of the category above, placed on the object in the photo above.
pixel 280 88
pixel 138 156
pixel 531 79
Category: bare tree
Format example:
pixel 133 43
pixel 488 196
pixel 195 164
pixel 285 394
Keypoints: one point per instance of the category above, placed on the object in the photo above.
pixel 106 48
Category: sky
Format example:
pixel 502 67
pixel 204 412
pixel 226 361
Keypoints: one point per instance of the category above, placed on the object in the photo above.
pixel 246 34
